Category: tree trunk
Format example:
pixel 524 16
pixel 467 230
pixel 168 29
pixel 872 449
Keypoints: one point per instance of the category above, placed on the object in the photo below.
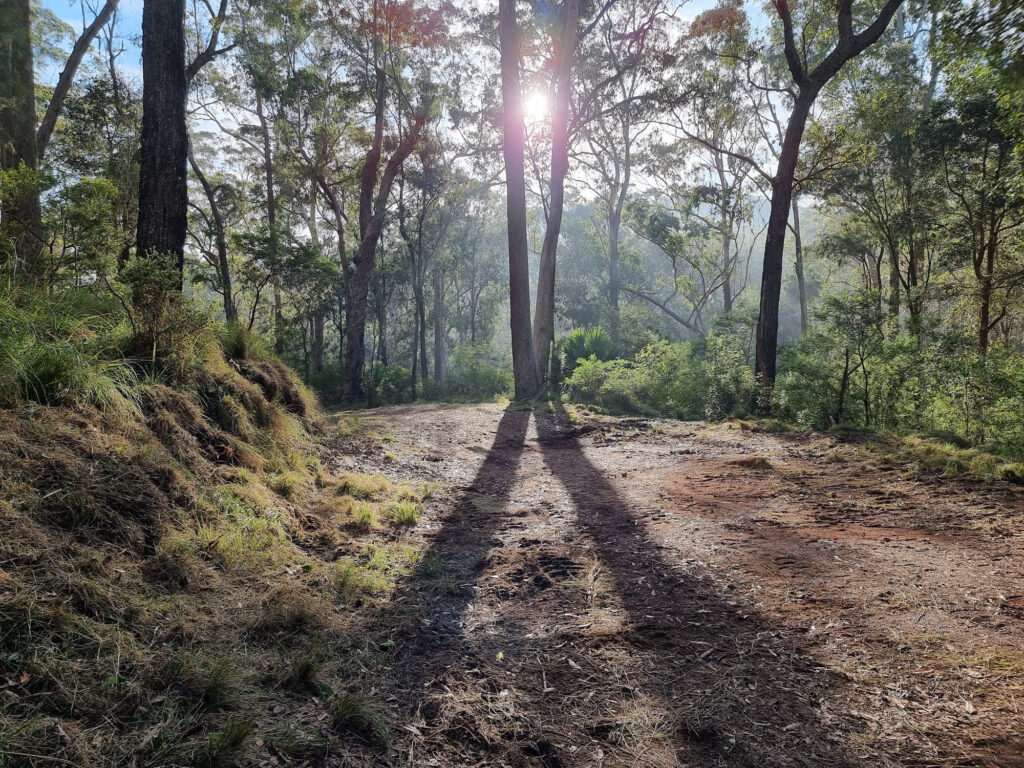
pixel 223 268
pixel 848 45
pixel 544 316
pixel 440 347
pixel 775 241
pixel 371 218
pixel 318 341
pixel 415 343
pixel 524 363
pixel 163 188
pixel 21 225
pixel 801 284
pixel 268 176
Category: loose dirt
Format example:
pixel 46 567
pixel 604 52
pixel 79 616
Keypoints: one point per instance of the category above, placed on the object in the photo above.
pixel 624 592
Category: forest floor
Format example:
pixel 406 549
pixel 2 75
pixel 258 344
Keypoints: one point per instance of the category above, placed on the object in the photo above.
pixel 599 591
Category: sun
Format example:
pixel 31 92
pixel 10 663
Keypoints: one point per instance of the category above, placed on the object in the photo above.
pixel 535 107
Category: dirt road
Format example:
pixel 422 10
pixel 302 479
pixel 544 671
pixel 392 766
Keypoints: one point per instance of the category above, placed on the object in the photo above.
pixel 622 592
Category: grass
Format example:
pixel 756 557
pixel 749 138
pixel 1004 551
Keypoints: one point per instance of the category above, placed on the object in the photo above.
pixel 404 512
pixel 226 746
pixel 286 483
pixel 364 516
pixel 165 590
pixel 936 456
pixel 356 714
pixel 360 486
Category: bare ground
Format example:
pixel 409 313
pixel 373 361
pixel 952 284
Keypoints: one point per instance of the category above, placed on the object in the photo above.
pixel 624 592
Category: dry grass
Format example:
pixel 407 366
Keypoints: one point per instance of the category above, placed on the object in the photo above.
pixel 360 486
pixel 158 572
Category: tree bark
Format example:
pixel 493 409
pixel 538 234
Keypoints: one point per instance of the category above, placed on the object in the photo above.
pixel 440 348
pixel 163 188
pixel 544 316
pixel 318 341
pixel 775 242
pixel 21 227
pixel 524 364
pixel 268 174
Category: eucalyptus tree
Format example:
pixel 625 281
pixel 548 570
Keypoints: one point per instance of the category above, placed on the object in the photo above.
pixel 524 361
pixel 163 183
pixel 620 92
pixel 824 49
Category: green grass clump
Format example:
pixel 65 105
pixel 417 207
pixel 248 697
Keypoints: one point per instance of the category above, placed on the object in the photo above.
pixel 404 512
pixel 64 351
pixel 364 516
pixel 225 747
pixel 356 714
pixel 239 343
pixel 937 456
pixel 286 484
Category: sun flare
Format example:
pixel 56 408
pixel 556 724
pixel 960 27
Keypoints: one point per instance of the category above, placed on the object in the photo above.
pixel 535 107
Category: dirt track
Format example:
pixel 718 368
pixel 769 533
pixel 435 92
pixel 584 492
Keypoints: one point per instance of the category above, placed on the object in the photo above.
pixel 620 592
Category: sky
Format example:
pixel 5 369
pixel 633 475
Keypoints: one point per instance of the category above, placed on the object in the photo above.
pixel 130 24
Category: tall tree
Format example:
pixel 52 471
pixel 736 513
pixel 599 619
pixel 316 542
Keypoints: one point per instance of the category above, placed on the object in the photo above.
pixel 808 81
pixel 163 181
pixel 21 230
pixel 564 54
pixel 524 364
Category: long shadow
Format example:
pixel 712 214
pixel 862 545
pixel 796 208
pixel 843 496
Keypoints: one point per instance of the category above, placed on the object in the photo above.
pixel 458 551
pixel 743 692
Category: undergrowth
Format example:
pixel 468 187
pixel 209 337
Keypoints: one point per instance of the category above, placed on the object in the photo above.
pixel 169 558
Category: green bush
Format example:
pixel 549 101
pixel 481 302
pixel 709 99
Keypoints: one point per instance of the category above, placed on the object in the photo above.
pixel 583 344
pixel 473 374
pixel 388 384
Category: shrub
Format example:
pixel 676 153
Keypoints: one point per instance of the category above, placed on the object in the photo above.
pixel 583 344
pixel 388 385
pixel 473 373
pixel 664 380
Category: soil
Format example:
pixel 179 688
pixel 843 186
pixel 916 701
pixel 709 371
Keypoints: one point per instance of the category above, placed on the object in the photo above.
pixel 606 591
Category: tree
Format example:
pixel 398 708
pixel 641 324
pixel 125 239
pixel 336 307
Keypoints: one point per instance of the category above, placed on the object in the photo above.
pixel 564 54
pixel 163 183
pixel 524 363
pixel 808 82
pixel 22 144
pixel 21 228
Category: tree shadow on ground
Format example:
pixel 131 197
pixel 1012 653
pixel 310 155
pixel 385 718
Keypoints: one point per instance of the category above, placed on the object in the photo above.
pixel 744 692
pixel 732 689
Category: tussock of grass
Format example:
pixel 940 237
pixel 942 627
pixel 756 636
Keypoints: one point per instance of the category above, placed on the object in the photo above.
pixel 364 516
pixel 354 713
pixel 361 486
pixel 226 746
pixel 289 608
pixel 286 483
pixel 404 512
